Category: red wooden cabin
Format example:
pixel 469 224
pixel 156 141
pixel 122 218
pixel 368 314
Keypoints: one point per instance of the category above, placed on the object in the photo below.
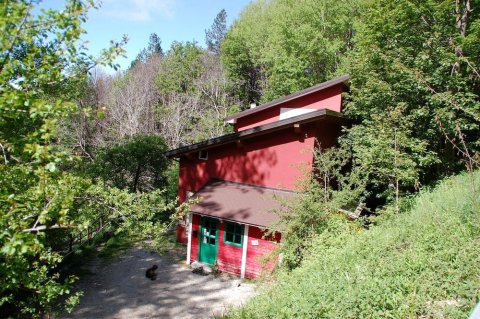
pixel 239 176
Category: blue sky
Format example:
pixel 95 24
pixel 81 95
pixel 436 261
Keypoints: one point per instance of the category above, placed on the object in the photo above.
pixel 171 20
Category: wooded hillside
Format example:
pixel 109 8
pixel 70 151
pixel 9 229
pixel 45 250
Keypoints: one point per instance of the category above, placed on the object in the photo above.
pixel 80 145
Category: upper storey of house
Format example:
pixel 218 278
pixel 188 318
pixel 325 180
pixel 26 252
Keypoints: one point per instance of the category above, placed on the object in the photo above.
pixel 272 145
pixel 326 95
pixel 320 104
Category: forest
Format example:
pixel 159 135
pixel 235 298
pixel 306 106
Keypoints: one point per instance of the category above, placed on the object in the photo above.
pixel 83 149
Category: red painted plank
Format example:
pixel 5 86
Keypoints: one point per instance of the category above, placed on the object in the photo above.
pixel 260 255
pixel 229 257
pixel 195 237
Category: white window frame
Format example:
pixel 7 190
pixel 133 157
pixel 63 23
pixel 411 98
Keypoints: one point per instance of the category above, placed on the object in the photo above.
pixel 203 157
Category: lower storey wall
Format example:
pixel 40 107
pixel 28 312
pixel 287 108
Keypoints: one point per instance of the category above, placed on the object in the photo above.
pixel 260 250
pixel 260 253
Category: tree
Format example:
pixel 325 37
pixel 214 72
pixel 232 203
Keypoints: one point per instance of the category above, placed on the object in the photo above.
pixel 386 156
pixel 216 98
pixel 215 35
pixel 132 98
pixel 180 67
pixel 154 48
pixel 155 45
pixel 138 164
pixel 241 52
pixel 416 60
pixel 36 196
pixel 278 47
pixel 195 95
pixel 83 131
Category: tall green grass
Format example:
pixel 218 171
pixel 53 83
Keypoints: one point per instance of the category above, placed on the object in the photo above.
pixel 424 263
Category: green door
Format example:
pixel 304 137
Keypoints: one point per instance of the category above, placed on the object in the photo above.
pixel 208 240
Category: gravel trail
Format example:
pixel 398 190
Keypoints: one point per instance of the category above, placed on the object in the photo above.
pixel 120 290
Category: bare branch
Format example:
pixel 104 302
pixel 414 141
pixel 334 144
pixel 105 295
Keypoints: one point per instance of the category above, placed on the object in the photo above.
pixel 353 215
pixel 44 227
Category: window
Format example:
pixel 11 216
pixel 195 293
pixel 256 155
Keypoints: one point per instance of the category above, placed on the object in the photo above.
pixel 233 234
pixel 203 155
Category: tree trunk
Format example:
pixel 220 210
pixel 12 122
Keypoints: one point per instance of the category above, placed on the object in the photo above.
pixel 70 243
pixel 395 164
pixel 462 8
pixel 137 177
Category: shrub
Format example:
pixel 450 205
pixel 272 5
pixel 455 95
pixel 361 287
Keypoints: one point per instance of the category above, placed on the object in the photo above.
pixel 423 263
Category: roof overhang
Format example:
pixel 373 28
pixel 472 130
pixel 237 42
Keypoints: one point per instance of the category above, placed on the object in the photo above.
pixel 241 203
pixel 323 115
pixel 290 97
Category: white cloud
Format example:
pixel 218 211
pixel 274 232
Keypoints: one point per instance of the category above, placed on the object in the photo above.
pixel 139 10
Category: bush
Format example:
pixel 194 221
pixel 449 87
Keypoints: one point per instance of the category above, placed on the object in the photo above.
pixel 423 263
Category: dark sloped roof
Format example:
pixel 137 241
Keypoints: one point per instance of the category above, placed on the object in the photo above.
pixel 241 203
pixel 322 114
pixel 290 97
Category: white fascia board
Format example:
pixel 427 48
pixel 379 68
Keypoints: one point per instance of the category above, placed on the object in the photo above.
pixel 286 113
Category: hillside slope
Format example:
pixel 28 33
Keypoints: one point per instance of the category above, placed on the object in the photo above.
pixel 421 264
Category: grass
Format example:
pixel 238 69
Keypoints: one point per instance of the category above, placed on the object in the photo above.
pixel 116 246
pixel 423 263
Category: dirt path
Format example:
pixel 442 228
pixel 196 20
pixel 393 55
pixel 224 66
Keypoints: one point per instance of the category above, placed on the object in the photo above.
pixel 120 290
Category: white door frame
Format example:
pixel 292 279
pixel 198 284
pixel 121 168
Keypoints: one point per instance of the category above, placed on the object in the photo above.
pixel 244 252
pixel 189 236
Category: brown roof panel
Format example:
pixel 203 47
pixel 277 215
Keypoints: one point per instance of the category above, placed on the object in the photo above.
pixel 290 97
pixel 241 203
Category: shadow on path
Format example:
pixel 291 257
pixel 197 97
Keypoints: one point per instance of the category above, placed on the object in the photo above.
pixel 120 290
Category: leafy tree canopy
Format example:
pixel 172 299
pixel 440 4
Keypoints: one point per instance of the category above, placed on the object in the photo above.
pixel 412 63
pixel 279 47
pixel 138 164
pixel 180 67
pixel 37 50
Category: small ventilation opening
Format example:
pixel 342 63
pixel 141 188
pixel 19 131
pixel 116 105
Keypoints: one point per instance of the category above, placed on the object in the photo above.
pixel 203 155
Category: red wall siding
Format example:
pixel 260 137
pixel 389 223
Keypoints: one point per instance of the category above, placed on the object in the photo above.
pixel 330 98
pixel 229 258
pixel 264 117
pixel 195 227
pixel 258 255
pixel 182 233
pixel 274 161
